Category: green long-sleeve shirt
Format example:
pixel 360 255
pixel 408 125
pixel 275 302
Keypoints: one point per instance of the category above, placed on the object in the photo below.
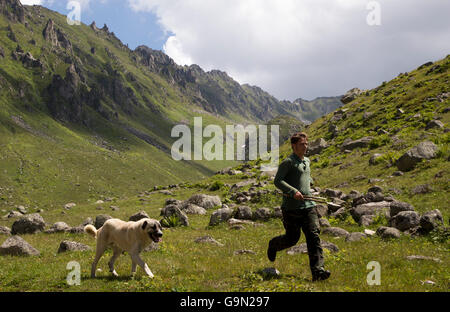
pixel 294 175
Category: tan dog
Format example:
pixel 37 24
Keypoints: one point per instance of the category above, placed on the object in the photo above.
pixel 131 237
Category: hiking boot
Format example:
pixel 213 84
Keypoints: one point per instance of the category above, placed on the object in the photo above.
pixel 321 275
pixel 271 254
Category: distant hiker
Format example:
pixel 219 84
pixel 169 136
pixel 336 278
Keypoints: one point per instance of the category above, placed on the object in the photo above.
pixel 293 178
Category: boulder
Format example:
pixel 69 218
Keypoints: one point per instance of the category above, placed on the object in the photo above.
pixel 352 144
pixel 205 201
pixel 262 214
pixel 302 248
pixel 431 220
pixel 434 124
pixel 72 246
pixel 355 237
pixel 388 232
pixel 244 212
pixel 189 208
pixel 220 215
pixel 425 150
pixel 317 146
pixel 100 220
pixel 374 158
pixel 369 232
pixel 339 214
pixel 398 206
pixel 405 220
pixel 332 207
pixel 335 231
pixel 207 239
pixel 322 210
pixel 138 216
pixel 5 230
pixel 175 210
pixel 69 205
pixel 324 223
pixel 366 220
pixel 58 227
pixel 332 193
pixel 351 95
pixel 421 189
pixel 17 246
pixel 419 257
pixel 370 209
pixel 28 224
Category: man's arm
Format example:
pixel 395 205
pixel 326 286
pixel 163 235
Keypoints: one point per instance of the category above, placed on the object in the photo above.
pixel 279 182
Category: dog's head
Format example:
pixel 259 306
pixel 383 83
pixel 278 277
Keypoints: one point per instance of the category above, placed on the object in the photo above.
pixel 153 229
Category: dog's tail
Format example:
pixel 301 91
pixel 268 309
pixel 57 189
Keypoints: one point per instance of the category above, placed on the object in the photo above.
pixel 91 230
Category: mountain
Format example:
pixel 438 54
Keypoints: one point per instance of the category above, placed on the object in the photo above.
pixel 312 110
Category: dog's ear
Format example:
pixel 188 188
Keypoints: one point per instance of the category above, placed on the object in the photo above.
pixel 144 225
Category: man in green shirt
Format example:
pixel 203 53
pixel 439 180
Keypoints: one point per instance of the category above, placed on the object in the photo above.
pixel 294 179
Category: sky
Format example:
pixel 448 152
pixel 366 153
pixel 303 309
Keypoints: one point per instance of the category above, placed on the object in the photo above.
pixel 290 48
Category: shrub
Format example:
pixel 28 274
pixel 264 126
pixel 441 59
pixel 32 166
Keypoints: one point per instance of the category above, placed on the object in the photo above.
pixel 171 221
pixel 216 185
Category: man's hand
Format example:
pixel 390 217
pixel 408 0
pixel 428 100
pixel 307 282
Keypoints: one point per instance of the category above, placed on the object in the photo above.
pixel 298 196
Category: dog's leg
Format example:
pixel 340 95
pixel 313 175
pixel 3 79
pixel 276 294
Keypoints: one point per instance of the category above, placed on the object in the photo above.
pixel 98 254
pixel 116 253
pixel 142 264
pixel 133 267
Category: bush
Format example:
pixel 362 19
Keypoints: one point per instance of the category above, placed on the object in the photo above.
pixel 171 221
pixel 216 185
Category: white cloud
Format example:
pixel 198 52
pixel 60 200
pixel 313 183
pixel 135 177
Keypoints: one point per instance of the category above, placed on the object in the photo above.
pixel 303 48
pixel 31 2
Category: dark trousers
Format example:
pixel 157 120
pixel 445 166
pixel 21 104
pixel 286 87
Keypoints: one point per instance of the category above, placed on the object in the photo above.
pixel 308 221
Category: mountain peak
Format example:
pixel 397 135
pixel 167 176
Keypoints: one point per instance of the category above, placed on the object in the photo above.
pixel 13 10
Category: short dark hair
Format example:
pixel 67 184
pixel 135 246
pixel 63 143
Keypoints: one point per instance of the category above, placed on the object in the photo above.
pixel 297 136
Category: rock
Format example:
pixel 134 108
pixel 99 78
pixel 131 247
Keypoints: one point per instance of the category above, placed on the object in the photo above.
pixel 375 189
pixel 233 222
pixel 425 150
pixel 421 189
pixel 269 273
pixel 317 146
pixel 208 239
pixel 99 202
pixel 302 248
pixel 175 210
pixel 100 220
pixel 4 230
pixel 374 159
pixel 205 201
pixel 419 257
pixel 58 227
pixel 388 232
pixel 405 220
pixel 332 207
pixel 13 214
pixel 69 205
pixel 77 230
pixel 398 206
pixel 166 192
pixel 237 227
pixel 370 209
pixel 355 237
pixel 351 95
pixel 236 186
pixel 333 193
pixel 189 208
pixel 434 124
pixel 22 210
pixel 324 223
pixel 88 221
pixel 17 246
pixel 277 212
pixel 352 144
pixel 173 201
pixel 220 215
pixel 244 212
pixel 28 224
pixel 431 220
pixel 366 220
pixel 322 210
pixel 335 231
pixel 72 246
pixel 339 214
pixel 369 232
pixel 138 216
pixel 244 252
pixel 262 214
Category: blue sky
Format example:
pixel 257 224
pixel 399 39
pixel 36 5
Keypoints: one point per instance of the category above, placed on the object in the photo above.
pixel 290 48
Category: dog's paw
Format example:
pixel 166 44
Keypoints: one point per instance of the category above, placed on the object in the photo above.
pixel 115 273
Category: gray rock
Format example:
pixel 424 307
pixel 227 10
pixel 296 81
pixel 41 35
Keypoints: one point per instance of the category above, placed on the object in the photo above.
pixel 100 220
pixel 335 231
pixel 425 150
pixel 138 216
pixel 269 273
pixel 220 215
pixel 28 224
pixel 419 257
pixel 370 209
pixel 421 189
pixel 68 206
pixel 388 232
pixel 374 158
pixel 405 220
pixel 189 208
pixel 339 214
pixel 205 201
pixel 22 210
pixel 431 220
pixel 208 239
pixel 332 193
pixel 355 237
pixel 244 252
pixel 322 210
pixel 170 210
pixel 366 220
pixel 262 214
pixel 375 189
pixel 352 144
pixel 434 124
pixel 236 186
pixel 17 246
pixel 324 223
pixel 398 206
pixel 13 214
pixel 351 95
pixel 173 201
pixel 87 221
pixel 277 212
pixel 302 248
pixel 332 207
pixel 317 146
pixel 4 230
pixel 72 246
pixel 58 227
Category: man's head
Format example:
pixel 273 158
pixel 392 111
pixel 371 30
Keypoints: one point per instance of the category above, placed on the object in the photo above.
pixel 299 143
